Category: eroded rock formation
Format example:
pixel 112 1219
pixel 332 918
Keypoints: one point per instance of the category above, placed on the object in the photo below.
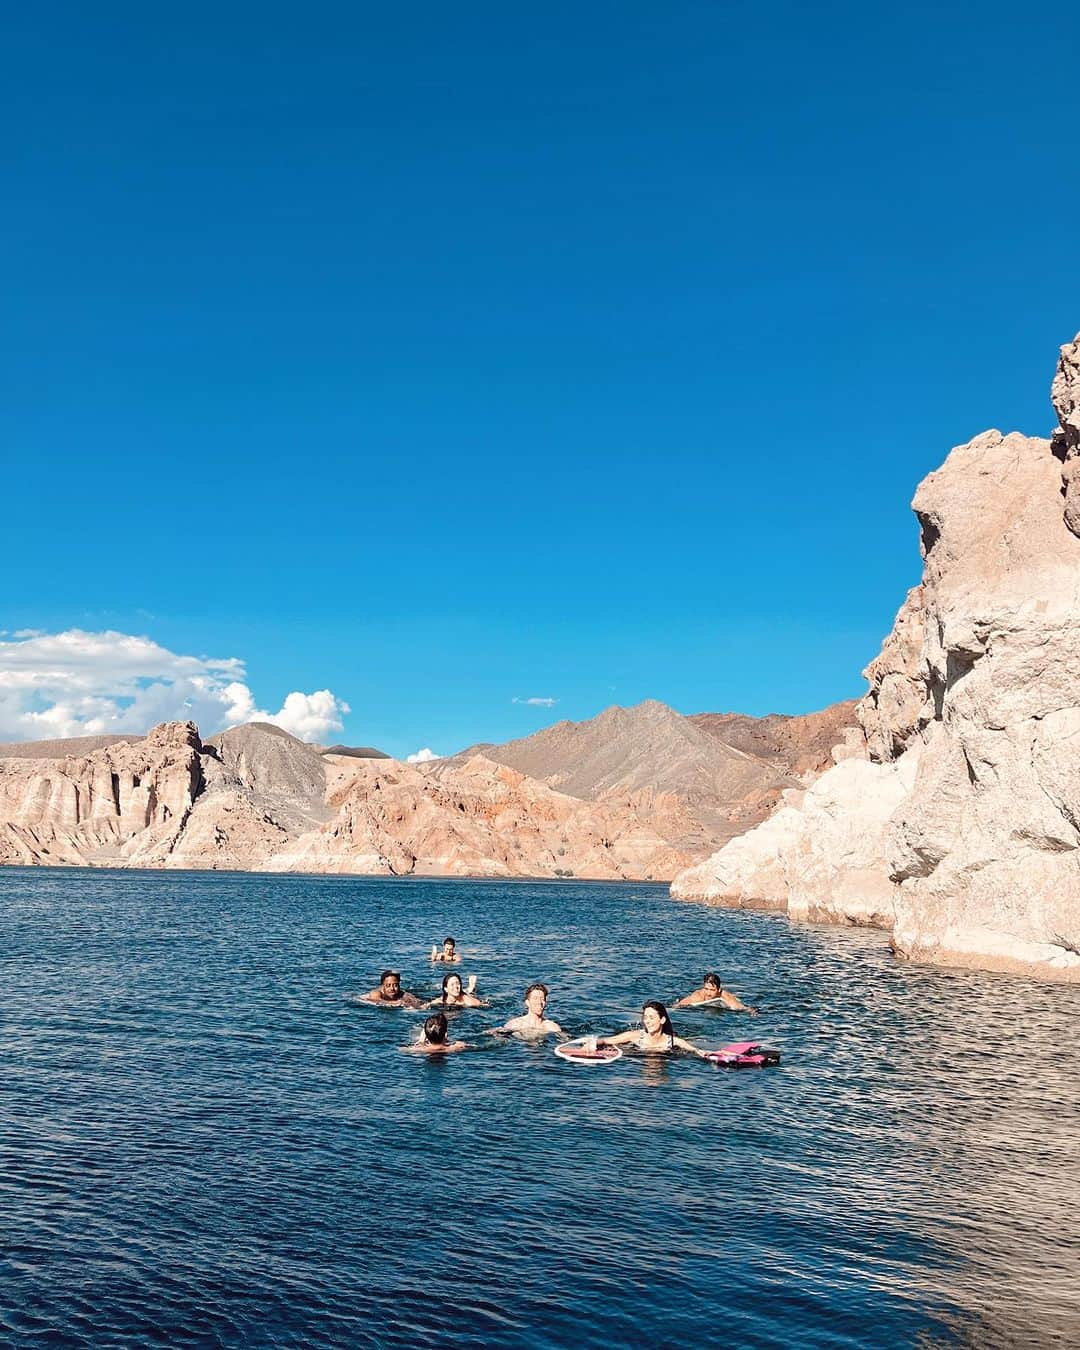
pixel 256 798
pixel 104 807
pixel 966 825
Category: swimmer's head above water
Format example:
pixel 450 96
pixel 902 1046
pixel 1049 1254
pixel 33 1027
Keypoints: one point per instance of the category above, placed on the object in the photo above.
pixel 451 987
pixel 536 997
pixel 656 1019
pixel 711 985
pixel 435 1029
pixel 390 984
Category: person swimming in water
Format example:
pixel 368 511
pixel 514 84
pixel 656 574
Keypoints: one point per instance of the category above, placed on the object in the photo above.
pixel 713 991
pixel 390 993
pixel 532 1022
pixel 448 954
pixel 434 1039
pixel 657 1035
pixel 454 995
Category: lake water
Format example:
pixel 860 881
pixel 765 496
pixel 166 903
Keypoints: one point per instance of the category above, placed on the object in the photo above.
pixel 202 1143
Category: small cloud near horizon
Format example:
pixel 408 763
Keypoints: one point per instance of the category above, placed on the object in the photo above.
pixel 79 683
pixel 536 702
pixel 424 756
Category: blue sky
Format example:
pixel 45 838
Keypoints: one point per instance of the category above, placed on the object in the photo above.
pixel 461 354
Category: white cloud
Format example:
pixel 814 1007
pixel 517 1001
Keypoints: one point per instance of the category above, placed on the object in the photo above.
pixel 89 684
pixel 424 756
pixel 310 717
pixel 536 702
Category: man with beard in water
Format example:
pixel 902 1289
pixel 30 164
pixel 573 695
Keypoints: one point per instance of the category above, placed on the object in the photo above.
pixel 390 993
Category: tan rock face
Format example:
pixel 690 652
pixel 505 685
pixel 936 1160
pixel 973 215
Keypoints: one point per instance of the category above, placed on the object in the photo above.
pixel 963 835
pixel 1065 443
pixel 102 806
pixel 820 856
pixel 478 818
pixel 898 705
pixel 256 798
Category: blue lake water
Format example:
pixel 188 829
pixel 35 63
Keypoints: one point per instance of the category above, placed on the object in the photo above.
pixel 202 1143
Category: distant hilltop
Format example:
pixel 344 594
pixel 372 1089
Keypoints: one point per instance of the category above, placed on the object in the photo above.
pixel 634 793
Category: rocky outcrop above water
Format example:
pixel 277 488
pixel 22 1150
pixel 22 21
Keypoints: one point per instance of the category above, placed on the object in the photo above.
pixel 111 805
pixel 963 833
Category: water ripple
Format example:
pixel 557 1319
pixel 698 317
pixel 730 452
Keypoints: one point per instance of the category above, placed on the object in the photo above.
pixel 203 1143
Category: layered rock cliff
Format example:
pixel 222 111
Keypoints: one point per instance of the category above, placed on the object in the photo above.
pixel 255 798
pixel 962 834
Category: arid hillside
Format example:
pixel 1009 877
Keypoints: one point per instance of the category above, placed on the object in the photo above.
pixel 637 793
pixel 699 779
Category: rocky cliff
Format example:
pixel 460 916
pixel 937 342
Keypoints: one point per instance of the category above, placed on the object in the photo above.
pixel 962 834
pixel 116 804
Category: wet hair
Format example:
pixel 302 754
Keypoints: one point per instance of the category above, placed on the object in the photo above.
pixel 666 1028
pixel 450 941
pixel 387 975
pixel 712 978
pixel 435 1029
pixel 537 985
pixel 446 980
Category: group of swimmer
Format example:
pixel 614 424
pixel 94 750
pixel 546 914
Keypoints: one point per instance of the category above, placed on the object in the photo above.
pixel 656 1034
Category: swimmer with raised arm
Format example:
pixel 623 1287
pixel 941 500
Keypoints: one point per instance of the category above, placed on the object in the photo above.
pixel 532 1021
pixel 454 995
pixel 390 993
pixel 435 1039
pixel 656 1036
pixel 713 991
pixel 449 952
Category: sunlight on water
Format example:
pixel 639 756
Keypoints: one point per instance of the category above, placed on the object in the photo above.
pixel 203 1143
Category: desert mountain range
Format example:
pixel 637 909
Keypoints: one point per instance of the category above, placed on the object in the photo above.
pixel 635 793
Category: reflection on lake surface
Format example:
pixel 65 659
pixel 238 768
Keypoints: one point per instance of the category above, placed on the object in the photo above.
pixel 202 1143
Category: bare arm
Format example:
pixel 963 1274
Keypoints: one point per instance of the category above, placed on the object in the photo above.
pixel 623 1038
pixel 735 1003
pixel 688 1046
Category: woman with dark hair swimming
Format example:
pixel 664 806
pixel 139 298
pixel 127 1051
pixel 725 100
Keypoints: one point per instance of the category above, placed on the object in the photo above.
pixel 657 1035
pixel 455 996
pixel 712 991
pixel 434 1039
